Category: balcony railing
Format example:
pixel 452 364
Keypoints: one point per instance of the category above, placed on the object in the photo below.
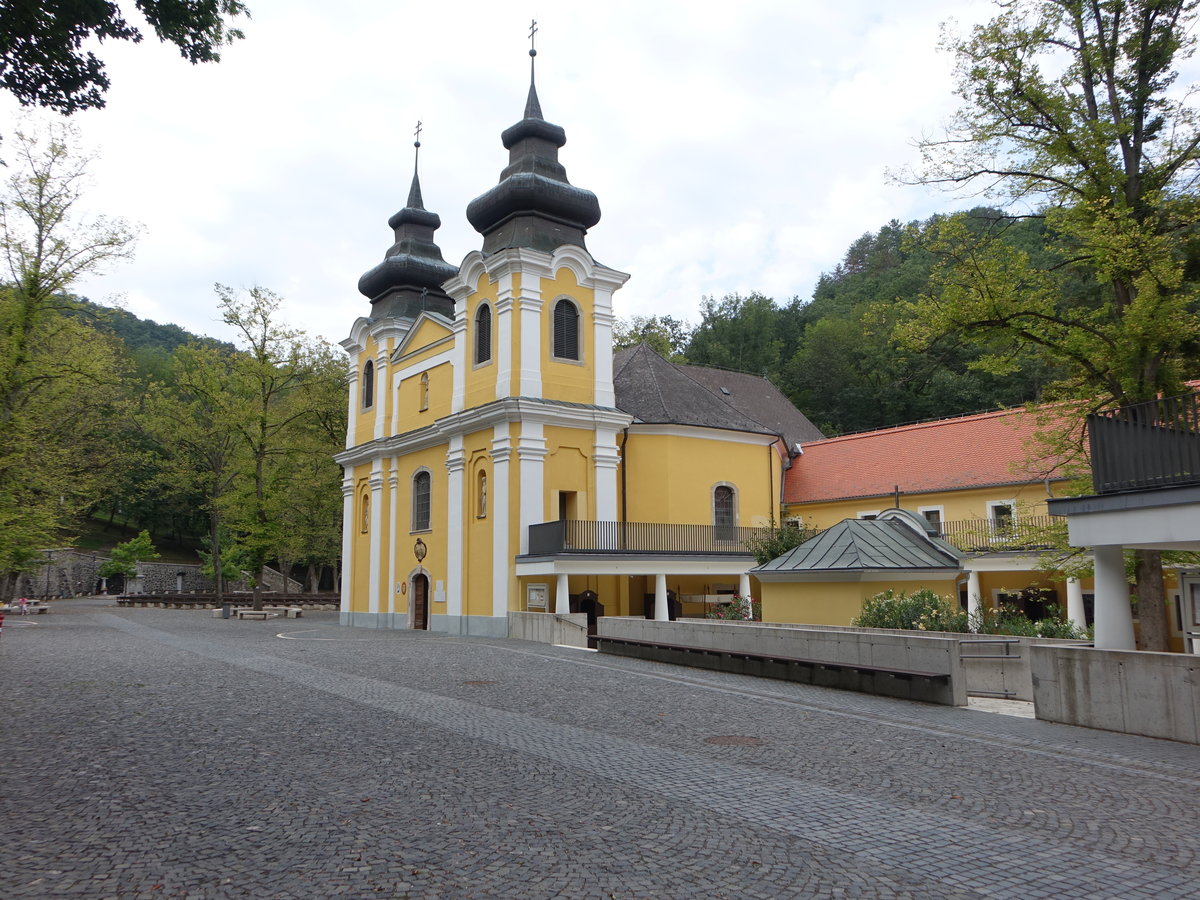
pixel 585 536
pixel 1000 534
pixel 1146 445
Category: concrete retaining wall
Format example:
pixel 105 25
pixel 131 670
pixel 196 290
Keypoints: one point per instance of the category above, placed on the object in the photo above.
pixel 908 651
pixel 1007 676
pixel 1135 692
pixel 549 628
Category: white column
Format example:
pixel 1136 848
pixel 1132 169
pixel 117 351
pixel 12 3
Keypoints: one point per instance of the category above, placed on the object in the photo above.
pixel 376 537
pixel 974 600
pixel 1114 616
pixel 605 459
pixel 660 598
pixel 531 456
pixel 501 521
pixel 393 482
pixel 562 595
pixel 347 535
pixel 455 526
pixel 1075 612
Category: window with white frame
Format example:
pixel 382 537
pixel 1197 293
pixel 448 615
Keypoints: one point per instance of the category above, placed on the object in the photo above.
pixel 933 515
pixel 483 334
pixel 1002 515
pixel 565 342
pixel 421 487
pixel 368 385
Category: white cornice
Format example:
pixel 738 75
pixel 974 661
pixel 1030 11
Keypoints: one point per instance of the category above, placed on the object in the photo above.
pixel 510 409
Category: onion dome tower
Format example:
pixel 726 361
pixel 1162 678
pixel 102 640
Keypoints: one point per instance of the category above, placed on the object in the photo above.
pixel 411 275
pixel 534 205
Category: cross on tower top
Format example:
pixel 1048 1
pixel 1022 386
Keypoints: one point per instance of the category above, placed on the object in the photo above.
pixel 532 37
pixel 417 134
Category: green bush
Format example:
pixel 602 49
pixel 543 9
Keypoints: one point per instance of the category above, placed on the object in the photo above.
pixel 922 610
pixel 737 609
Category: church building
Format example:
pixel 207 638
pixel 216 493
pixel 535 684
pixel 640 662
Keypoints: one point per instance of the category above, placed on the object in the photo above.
pixel 500 457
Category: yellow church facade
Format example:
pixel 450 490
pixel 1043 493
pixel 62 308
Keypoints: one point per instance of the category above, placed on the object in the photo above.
pixel 500 457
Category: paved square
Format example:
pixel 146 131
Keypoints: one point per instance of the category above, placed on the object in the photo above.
pixel 162 753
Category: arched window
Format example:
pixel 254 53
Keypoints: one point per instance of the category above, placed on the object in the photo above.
pixel 424 391
pixel 481 497
pixel 368 385
pixel 420 500
pixel 566 330
pixel 483 334
pixel 724 511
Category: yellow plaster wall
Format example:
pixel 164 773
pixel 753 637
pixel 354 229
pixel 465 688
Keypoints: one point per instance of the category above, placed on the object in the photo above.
pixel 670 478
pixel 568 380
pixel 480 380
pixel 434 459
pixel 568 467
pixel 832 603
pixel 477 542
pixel 360 543
pixel 364 426
pixel 410 416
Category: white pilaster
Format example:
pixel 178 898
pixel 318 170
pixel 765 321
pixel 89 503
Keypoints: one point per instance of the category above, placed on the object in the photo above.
pixel 353 401
pixel 393 483
pixel 459 356
pixel 501 521
pixel 376 537
pixel 382 398
pixel 531 456
pixel 602 325
pixel 347 535
pixel 504 335
pixel 562 594
pixel 974 600
pixel 455 526
pixel 530 307
pixel 605 459
pixel 1075 611
pixel 1114 616
pixel 660 598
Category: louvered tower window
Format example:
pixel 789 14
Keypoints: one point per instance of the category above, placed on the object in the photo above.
pixel 483 334
pixel 420 501
pixel 566 330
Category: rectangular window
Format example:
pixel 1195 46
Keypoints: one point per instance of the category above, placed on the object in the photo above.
pixel 933 515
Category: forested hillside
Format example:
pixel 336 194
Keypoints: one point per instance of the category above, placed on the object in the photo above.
pixel 841 355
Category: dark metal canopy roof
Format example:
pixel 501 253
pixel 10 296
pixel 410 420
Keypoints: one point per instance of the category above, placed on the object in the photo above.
pixel 411 275
pixel 534 205
pixel 893 541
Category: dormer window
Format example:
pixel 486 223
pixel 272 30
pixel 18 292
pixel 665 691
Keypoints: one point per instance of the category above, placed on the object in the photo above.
pixel 368 385
pixel 566 330
pixel 483 335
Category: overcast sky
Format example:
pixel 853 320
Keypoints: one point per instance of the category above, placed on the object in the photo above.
pixel 733 147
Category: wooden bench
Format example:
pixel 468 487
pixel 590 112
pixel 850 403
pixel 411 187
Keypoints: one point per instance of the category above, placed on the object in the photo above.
pixel 865 678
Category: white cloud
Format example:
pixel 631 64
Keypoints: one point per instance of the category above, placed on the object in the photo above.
pixel 735 151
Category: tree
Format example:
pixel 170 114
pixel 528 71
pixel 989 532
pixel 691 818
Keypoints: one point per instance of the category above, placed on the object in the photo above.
pixel 666 335
pixel 43 63
pixel 59 379
pixel 737 333
pixel 1069 111
pixel 126 556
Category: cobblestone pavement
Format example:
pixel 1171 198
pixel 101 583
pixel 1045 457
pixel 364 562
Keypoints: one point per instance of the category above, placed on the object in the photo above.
pixel 162 753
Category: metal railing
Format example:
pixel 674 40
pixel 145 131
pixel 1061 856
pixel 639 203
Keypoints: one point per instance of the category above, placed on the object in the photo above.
pixel 586 536
pixel 1146 445
pixel 1017 533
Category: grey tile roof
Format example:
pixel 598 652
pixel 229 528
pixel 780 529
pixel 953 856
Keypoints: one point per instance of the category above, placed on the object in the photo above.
pixel 866 544
pixel 655 391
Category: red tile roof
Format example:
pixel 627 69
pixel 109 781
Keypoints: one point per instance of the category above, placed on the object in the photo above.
pixel 947 454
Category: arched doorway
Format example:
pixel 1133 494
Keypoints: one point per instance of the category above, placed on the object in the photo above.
pixel 420 601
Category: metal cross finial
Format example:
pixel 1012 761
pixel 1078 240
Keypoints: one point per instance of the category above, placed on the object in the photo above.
pixel 417 134
pixel 532 32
